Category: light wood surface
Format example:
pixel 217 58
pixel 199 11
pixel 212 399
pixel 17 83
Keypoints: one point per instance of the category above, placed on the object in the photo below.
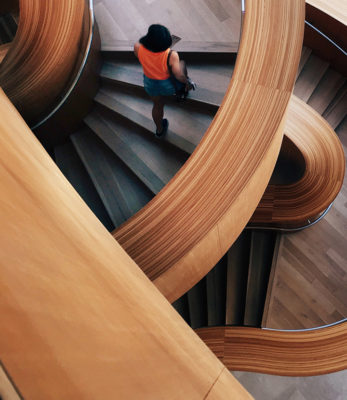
pixel 314 352
pixel 79 319
pixel 189 225
pixel 335 8
pixel 43 54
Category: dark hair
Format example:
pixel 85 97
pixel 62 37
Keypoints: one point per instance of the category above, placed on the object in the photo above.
pixel 158 38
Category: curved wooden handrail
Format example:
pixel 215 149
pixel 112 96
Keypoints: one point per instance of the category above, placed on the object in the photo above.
pixel 43 54
pixel 182 233
pixel 291 353
pixel 299 204
pixel 79 319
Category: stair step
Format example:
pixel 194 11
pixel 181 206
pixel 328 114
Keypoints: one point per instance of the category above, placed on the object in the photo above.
pixel 182 307
pixel 237 275
pixel 182 46
pixel 311 74
pixel 151 161
pixel 269 293
pixel 336 111
pixel 341 130
pixel 216 293
pixel 72 167
pixel 120 190
pixel 305 55
pixel 211 85
pixel 187 123
pixel 197 305
pixel 109 99
pixel 8 28
pixel 261 256
pixel 326 90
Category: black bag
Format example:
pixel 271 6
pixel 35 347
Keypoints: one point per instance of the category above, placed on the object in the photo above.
pixel 181 90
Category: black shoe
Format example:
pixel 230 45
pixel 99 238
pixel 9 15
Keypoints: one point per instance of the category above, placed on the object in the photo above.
pixel 164 127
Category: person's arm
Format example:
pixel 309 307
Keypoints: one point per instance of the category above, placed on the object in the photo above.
pixel 136 48
pixel 176 67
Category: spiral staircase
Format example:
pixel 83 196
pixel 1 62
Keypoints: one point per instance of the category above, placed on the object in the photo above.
pixel 117 166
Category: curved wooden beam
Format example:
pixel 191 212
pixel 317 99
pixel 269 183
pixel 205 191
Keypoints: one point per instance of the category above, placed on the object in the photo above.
pixel 182 233
pixel 79 319
pixel 299 204
pixel 43 54
pixel 291 353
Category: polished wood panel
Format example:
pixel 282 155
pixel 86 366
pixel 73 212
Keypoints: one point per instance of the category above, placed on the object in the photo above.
pixel 304 353
pixel 189 225
pixel 43 54
pixel 79 319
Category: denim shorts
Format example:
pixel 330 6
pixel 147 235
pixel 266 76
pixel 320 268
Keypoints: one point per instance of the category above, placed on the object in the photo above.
pixel 165 87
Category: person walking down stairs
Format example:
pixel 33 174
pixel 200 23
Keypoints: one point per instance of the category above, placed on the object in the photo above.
pixel 163 72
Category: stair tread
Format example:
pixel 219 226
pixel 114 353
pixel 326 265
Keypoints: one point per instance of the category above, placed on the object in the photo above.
pixel 336 111
pixel 181 46
pixel 153 163
pixel 311 74
pixel 261 257
pixel 72 167
pixel 216 294
pixel 211 86
pixel 187 124
pixel 121 192
pixel 197 305
pixel 326 90
pixel 305 55
pixel 237 272
pixel 8 28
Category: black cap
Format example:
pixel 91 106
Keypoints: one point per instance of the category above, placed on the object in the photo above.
pixel 158 38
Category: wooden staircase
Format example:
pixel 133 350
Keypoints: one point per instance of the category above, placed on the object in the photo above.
pixel 124 165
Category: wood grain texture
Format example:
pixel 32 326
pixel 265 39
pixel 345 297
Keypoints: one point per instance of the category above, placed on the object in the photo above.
pixel 297 204
pixel 43 54
pixel 290 353
pixel 182 233
pixel 79 319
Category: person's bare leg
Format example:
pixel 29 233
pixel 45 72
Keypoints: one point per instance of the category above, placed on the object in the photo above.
pixel 158 111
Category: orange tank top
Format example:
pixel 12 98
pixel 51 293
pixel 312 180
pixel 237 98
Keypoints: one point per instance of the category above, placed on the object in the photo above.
pixel 154 64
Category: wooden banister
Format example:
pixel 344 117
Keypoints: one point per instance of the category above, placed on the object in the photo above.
pixel 182 233
pixel 291 353
pixel 43 54
pixel 79 320
pixel 300 203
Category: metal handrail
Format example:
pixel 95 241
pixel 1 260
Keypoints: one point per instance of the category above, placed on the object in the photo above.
pixel 326 37
pixel 80 70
